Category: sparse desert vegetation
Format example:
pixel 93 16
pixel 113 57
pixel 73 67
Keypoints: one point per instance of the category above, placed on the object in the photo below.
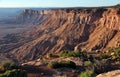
pixel 67 64
pixel 90 65
pixel 87 74
pixel 11 70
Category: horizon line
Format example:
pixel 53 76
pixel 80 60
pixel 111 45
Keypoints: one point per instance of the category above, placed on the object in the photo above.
pixel 60 6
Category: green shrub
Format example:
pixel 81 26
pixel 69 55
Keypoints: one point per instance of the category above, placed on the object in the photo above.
pixel 14 73
pixel 87 63
pixel 67 53
pixel 87 74
pixel 117 53
pixel 9 66
pixel 2 75
pixel 68 64
pixel 103 56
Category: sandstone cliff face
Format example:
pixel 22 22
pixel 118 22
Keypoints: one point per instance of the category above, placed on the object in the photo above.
pixel 71 29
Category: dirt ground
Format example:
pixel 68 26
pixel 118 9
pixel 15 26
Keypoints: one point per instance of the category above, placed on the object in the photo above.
pixel 44 71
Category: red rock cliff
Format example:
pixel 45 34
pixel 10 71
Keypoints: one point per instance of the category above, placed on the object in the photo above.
pixel 72 29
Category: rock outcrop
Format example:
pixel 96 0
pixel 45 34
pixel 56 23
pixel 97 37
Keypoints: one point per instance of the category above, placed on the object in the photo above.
pixel 115 73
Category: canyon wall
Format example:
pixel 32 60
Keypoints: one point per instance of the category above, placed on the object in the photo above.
pixel 70 29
